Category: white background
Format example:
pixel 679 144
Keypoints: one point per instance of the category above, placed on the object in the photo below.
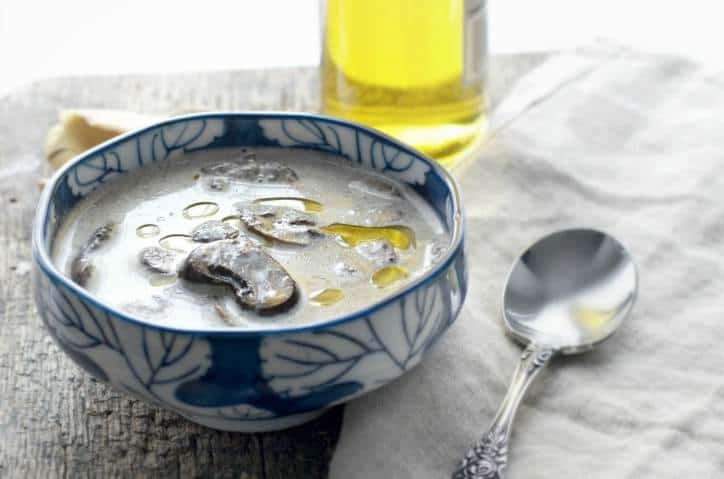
pixel 40 38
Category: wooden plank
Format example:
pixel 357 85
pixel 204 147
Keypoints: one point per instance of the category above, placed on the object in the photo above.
pixel 55 421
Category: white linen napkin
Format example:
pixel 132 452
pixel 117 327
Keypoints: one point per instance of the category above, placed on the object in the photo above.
pixel 629 143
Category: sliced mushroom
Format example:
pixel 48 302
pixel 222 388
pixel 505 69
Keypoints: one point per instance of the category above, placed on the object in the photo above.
pixel 159 260
pixel 237 169
pixel 378 187
pixel 279 222
pixel 213 230
pixel 248 169
pixel 258 281
pixel 81 267
pixel 153 306
pixel 275 172
pixel 379 252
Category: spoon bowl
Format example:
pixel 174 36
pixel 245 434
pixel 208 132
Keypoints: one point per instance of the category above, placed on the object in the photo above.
pixel 570 290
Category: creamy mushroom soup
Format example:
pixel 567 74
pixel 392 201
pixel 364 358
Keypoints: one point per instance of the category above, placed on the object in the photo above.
pixel 248 238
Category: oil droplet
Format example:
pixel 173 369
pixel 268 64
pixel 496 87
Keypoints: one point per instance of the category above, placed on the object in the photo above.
pixel 400 237
pixel 326 297
pixel 384 277
pixel 200 209
pixel 148 230
pixel 160 280
pixel 302 204
pixel 234 221
pixel 181 243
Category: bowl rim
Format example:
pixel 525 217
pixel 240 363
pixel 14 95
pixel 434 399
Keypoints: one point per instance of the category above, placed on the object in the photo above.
pixel 41 256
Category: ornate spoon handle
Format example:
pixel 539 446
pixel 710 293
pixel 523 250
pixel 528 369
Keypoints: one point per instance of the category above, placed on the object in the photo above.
pixel 489 457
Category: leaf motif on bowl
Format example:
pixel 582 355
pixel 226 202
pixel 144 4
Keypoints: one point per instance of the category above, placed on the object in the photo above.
pixel 356 145
pixel 389 342
pixel 151 362
pixel 152 145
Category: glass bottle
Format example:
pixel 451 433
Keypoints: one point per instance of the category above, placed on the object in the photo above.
pixel 414 69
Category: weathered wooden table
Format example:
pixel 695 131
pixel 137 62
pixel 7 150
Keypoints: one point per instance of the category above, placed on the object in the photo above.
pixel 56 421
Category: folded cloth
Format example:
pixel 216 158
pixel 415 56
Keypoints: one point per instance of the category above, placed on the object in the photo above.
pixel 80 130
pixel 629 143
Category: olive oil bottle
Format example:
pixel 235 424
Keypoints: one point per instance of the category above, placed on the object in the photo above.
pixel 414 69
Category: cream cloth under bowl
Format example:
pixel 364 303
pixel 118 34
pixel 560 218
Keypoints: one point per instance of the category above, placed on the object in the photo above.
pixel 617 140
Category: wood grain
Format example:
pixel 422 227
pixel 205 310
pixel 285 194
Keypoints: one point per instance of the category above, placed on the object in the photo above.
pixel 55 420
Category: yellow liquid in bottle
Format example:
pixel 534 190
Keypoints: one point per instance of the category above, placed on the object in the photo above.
pixel 408 68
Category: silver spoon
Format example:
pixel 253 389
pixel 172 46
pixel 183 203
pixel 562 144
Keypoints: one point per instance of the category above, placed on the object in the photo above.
pixel 565 294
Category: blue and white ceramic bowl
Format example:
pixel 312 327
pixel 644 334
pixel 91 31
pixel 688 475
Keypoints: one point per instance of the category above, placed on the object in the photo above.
pixel 250 380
